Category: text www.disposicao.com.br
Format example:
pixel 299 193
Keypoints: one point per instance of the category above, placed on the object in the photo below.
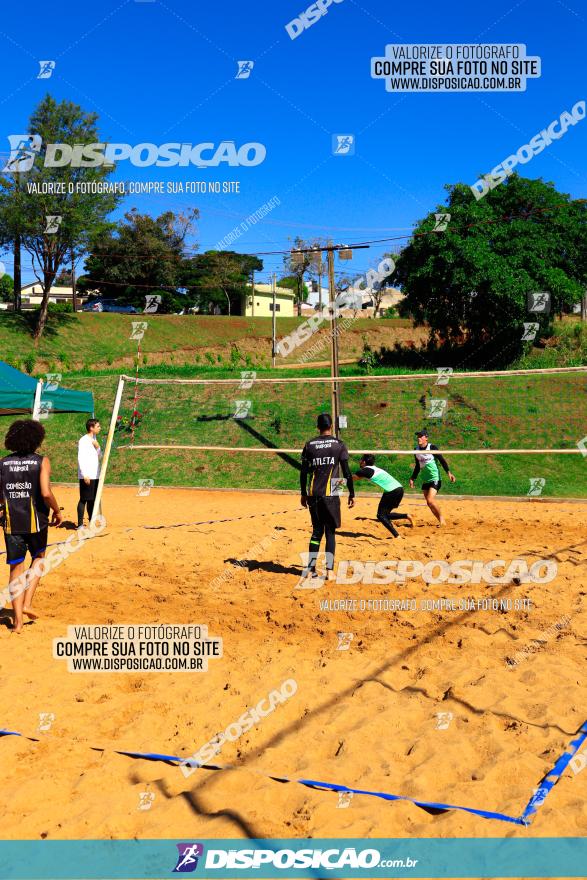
pixel 134 664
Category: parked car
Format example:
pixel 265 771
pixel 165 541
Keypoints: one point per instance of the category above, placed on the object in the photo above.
pixel 108 305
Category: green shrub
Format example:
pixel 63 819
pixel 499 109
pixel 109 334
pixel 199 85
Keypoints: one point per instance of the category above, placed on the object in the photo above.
pixel 29 363
pixel 59 309
pixel 368 360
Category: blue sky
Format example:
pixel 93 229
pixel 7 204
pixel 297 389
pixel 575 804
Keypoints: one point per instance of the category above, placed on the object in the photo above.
pixel 165 71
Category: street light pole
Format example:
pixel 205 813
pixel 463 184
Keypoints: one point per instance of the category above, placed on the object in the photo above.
pixel 273 322
pixel 73 287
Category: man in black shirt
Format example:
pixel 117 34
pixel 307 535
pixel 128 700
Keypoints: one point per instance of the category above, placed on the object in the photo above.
pixel 25 501
pixel 322 459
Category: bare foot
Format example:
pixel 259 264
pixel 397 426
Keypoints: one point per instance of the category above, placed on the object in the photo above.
pixel 32 615
pixel 16 629
pixel 410 521
pixel 442 521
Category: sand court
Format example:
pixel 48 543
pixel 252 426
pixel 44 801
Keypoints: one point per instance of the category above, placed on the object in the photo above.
pixel 438 702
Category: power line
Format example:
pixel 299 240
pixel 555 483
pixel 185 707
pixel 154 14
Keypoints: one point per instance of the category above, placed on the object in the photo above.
pixel 353 246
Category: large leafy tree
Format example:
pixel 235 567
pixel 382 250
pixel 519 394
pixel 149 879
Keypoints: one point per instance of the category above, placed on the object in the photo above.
pixel 24 212
pixel 140 256
pixel 469 283
pixel 219 278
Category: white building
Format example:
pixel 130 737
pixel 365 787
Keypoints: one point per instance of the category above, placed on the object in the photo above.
pixel 32 295
pixel 390 298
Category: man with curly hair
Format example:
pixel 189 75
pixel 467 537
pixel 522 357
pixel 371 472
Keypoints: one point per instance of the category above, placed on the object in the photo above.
pixel 25 499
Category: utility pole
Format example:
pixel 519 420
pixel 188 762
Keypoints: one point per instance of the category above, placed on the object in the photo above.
pixel 17 275
pixel 273 321
pixel 300 295
pixel 17 262
pixel 73 290
pixel 320 303
pixel 334 356
pixel 330 249
pixel 253 287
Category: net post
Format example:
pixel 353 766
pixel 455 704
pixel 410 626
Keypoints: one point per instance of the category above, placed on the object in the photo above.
pixel 107 448
pixel 37 401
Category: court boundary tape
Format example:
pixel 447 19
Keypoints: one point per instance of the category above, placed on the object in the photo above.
pixel 60 543
pixel 207 522
pixel 210 522
pixel 547 783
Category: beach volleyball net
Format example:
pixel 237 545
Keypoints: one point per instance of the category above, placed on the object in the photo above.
pixel 489 422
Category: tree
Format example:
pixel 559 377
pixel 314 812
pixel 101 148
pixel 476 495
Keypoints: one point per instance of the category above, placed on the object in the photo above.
pixel 470 283
pixel 291 282
pixel 139 256
pixel 64 278
pixel 6 288
pixel 300 265
pixel 219 277
pixel 380 285
pixel 79 214
pixel 11 223
pixel 577 255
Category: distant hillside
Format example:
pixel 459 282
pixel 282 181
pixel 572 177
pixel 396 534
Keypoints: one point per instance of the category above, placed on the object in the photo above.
pixel 98 341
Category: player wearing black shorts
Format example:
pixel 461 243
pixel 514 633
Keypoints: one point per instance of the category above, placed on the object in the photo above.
pixel 323 458
pixel 393 492
pixel 25 500
pixel 426 462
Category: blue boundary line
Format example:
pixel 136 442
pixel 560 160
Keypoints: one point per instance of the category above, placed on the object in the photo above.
pixel 547 783
pixel 550 779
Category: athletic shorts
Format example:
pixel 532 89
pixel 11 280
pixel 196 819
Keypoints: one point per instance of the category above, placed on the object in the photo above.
pixel 390 500
pixel 433 484
pixel 325 511
pixel 17 546
pixel 88 493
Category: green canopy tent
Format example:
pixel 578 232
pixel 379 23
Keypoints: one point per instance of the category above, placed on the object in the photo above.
pixel 20 393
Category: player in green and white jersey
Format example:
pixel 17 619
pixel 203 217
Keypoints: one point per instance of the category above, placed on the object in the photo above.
pixel 427 461
pixel 392 492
